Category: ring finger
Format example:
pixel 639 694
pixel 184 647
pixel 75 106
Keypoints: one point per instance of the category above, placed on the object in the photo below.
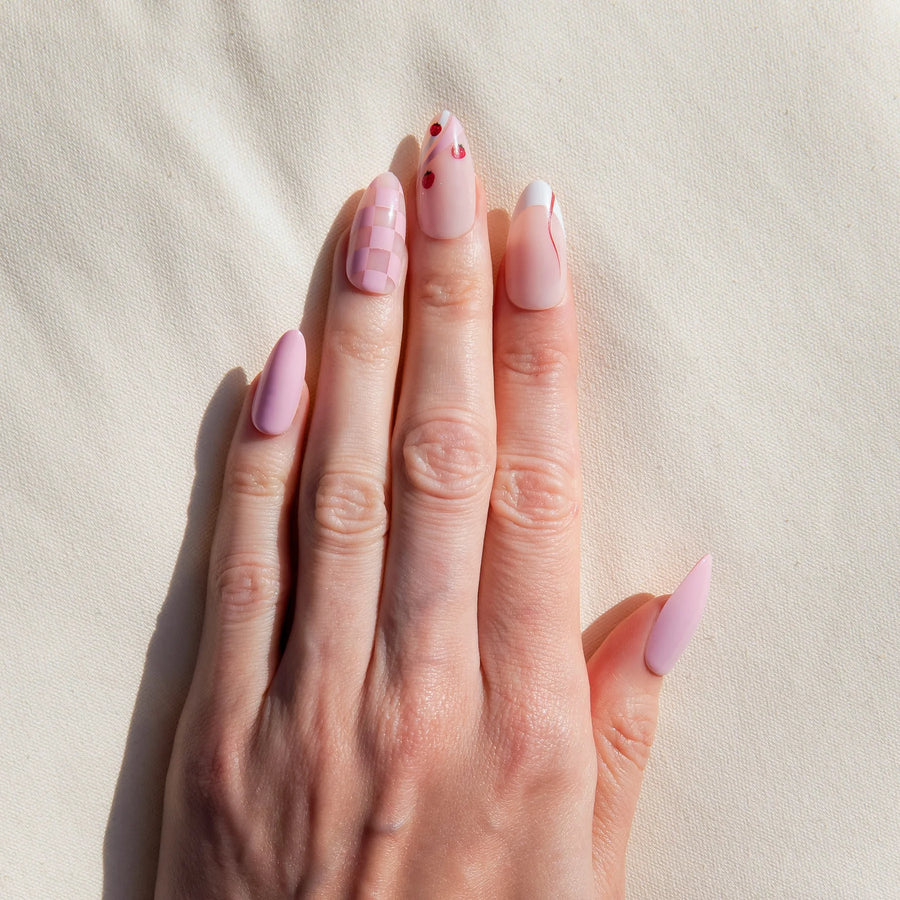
pixel 345 477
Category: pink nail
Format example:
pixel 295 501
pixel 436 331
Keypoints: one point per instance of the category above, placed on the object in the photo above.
pixel 678 619
pixel 280 385
pixel 375 249
pixel 536 250
pixel 445 191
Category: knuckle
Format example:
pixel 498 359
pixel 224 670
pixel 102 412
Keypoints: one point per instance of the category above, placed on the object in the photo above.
pixel 542 741
pixel 416 741
pixel 370 346
pixel 254 479
pixel 447 459
pixel 244 582
pixel 458 292
pixel 535 361
pixel 536 494
pixel 417 726
pixel 349 508
pixel 624 740
pixel 211 775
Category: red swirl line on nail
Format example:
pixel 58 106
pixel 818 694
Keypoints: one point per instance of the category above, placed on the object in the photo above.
pixel 550 231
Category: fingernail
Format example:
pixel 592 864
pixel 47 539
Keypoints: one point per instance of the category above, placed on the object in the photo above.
pixel 445 191
pixel 678 619
pixel 375 249
pixel 280 385
pixel 536 250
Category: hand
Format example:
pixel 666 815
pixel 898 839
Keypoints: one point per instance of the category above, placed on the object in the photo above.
pixel 391 697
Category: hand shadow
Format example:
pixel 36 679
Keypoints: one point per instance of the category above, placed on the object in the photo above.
pixel 131 841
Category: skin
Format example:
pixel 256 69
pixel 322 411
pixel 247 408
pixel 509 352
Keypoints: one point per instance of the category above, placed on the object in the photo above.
pixel 391 697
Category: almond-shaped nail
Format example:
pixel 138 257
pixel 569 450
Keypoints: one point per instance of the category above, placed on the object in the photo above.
pixel 445 190
pixel 280 385
pixel 535 264
pixel 678 619
pixel 376 245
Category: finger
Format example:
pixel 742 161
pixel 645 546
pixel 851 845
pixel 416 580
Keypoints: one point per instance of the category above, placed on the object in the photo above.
pixel 444 439
pixel 343 515
pixel 601 628
pixel 528 606
pixel 250 573
pixel 624 702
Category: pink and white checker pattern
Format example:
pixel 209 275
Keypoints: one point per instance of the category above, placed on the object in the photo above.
pixel 375 250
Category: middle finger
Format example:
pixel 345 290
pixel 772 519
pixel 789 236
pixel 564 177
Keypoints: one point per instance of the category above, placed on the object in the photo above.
pixel 444 440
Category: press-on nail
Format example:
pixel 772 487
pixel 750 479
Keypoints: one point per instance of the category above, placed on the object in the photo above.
pixel 535 264
pixel 375 249
pixel 280 385
pixel 445 190
pixel 678 619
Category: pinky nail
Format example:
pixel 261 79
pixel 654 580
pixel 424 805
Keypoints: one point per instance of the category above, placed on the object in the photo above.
pixel 280 385
pixel 535 264
pixel 678 619
pixel 375 249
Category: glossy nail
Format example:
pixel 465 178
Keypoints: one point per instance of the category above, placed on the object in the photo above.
pixel 678 619
pixel 376 246
pixel 280 385
pixel 535 264
pixel 445 190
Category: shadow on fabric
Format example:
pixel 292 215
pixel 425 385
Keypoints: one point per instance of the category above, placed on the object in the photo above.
pixel 131 843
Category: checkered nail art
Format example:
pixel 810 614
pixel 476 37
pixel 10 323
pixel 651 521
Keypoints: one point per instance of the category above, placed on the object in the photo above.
pixel 375 250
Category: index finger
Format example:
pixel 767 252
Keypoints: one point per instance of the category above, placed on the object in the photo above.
pixel 528 604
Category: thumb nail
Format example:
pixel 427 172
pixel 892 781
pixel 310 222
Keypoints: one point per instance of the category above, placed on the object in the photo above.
pixel 678 619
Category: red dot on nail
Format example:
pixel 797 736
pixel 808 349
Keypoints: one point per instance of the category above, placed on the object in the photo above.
pixel 436 129
pixel 427 180
pixel 458 151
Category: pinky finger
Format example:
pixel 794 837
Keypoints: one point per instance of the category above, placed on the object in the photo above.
pixel 251 568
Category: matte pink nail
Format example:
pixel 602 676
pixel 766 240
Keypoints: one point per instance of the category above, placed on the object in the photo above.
pixel 375 250
pixel 535 264
pixel 445 191
pixel 678 619
pixel 280 385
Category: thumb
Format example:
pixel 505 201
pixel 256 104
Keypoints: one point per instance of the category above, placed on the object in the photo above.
pixel 625 681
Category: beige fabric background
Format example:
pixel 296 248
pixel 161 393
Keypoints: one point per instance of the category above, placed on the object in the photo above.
pixel 172 178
